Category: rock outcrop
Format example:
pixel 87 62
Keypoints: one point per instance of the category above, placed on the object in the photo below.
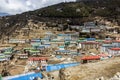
pixel 103 70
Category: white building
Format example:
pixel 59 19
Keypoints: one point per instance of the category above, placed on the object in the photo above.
pixel 114 51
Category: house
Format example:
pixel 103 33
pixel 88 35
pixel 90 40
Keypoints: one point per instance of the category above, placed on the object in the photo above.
pixel 17 40
pixel 27 49
pixel 106 44
pixel 34 52
pixel 61 47
pixel 90 43
pixel 41 47
pixel 3 58
pixel 35 61
pixel 97 29
pixel 74 53
pixel 55 43
pixel 90 39
pixel 64 36
pixel 90 27
pixel 90 24
pixel 111 29
pixel 49 35
pixel 47 45
pixel 76 27
pixel 74 36
pixel 108 39
pixel 46 39
pixel 99 40
pixel 62 51
pixel 116 43
pixel 105 47
pixel 22 56
pixel 68 36
pixel 85 30
pixel 8 49
pixel 114 51
pixel 86 59
pixel 81 40
pixel 35 45
pixel 31 51
pixel 8 54
pixel 35 40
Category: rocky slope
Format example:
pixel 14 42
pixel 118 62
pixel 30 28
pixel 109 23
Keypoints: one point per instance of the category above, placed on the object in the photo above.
pixel 77 13
pixel 92 71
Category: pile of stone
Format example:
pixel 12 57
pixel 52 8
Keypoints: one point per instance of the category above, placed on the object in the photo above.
pixel 115 77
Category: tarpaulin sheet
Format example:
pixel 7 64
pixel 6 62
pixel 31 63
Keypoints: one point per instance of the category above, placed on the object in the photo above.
pixel 60 66
pixel 32 75
pixel 27 76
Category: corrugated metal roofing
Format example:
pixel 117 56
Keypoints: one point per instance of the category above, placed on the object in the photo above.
pixel 89 43
pixel 116 49
pixel 90 58
pixel 107 45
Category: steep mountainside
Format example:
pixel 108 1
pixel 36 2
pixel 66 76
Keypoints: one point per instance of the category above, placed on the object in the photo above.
pixel 77 12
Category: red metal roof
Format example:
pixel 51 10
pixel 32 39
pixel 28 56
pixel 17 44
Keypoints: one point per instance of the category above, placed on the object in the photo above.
pixel 90 58
pixel 107 41
pixel 37 58
pixel 115 49
pixel 117 41
pixel 103 55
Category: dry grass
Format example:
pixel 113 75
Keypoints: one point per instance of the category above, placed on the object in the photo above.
pixel 91 71
pixel 17 70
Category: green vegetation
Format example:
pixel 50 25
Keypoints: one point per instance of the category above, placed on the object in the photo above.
pixel 65 10
pixel 76 12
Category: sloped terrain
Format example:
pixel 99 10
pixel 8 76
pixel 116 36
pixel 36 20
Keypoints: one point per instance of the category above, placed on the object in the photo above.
pixel 91 71
pixel 76 12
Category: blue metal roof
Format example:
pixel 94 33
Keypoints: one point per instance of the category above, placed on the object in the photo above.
pixel 107 45
pixel 35 40
pixel 63 51
pixel 27 76
pixel 90 39
pixel 64 34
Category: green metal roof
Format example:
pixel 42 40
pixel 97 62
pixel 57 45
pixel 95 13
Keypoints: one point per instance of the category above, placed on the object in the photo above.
pixel 99 40
pixel 29 48
pixel 7 52
pixel 34 51
pixel 1 57
pixel 81 40
pixel 61 46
